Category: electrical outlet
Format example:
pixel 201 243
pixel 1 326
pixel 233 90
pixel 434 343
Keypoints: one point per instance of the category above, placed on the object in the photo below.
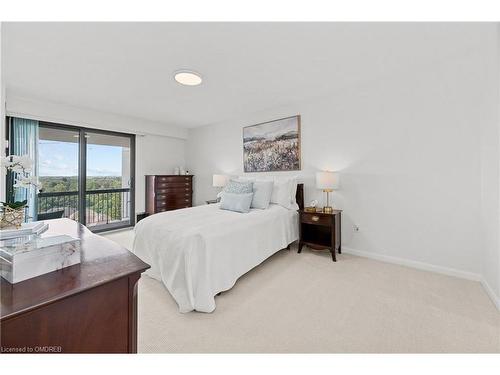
pixel 355 228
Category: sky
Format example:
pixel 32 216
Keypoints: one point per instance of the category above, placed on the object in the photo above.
pixel 271 129
pixel 61 159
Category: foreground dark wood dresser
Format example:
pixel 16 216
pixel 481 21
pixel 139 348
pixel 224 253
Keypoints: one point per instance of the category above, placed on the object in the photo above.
pixel 168 192
pixel 86 308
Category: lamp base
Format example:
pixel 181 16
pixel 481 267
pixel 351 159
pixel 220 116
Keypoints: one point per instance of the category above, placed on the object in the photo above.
pixel 327 209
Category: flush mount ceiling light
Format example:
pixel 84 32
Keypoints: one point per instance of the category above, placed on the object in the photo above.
pixel 187 77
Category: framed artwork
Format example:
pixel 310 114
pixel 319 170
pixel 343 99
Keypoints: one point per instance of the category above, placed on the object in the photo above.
pixel 272 146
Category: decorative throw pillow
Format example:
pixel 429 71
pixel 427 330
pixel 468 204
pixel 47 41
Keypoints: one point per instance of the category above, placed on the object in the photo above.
pixel 236 202
pixel 262 191
pixel 238 187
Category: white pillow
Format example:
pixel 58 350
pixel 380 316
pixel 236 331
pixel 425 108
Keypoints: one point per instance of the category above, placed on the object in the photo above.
pixel 262 191
pixel 294 205
pixel 281 193
pixel 293 192
pixel 284 190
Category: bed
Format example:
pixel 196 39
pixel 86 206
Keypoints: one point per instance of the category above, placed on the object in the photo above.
pixel 201 251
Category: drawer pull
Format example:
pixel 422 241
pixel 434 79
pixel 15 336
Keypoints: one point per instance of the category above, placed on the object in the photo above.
pixel 314 218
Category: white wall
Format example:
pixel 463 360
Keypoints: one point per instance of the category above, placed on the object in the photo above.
pixel 490 262
pixel 408 150
pixel 156 152
pixel 490 178
pixel 39 109
pixel 156 155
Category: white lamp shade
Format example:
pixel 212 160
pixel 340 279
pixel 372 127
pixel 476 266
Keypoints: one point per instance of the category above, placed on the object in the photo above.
pixel 219 180
pixel 327 180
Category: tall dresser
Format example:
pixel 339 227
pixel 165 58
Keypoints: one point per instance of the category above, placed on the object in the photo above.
pixel 168 192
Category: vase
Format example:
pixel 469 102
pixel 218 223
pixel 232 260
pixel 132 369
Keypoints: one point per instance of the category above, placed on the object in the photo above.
pixel 12 217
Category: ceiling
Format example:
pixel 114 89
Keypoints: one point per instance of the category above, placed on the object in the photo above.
pixel 127 68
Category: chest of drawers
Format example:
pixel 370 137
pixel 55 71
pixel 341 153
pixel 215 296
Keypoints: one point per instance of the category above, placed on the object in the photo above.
pixel 90 307
pixel 168 192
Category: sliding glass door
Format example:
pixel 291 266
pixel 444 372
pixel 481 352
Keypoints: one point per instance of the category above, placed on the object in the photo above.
pixel 87 175
pixel 108 180
pixel 58 161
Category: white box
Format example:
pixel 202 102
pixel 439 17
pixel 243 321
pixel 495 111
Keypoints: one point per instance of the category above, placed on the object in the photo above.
pixel 31 256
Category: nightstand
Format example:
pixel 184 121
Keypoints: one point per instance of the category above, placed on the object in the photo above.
pixel 319 230
pixel 140 216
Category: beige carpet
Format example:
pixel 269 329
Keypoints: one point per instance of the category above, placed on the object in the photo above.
pixel 306 303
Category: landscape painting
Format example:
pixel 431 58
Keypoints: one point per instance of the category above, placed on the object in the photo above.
pixel 272 146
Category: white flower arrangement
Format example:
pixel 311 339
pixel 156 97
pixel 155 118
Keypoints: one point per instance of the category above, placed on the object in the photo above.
pixel 18 164
pixel 22 167
pixel 27 181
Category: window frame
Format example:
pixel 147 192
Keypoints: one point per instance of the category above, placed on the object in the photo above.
pixel 82 167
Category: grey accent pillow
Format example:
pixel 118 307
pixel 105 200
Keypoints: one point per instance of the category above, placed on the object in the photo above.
pixel 238 187
pixel 262 191
pixel 236 202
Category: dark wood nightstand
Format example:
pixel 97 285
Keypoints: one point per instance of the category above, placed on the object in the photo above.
pixel 320 230
pixel 140 216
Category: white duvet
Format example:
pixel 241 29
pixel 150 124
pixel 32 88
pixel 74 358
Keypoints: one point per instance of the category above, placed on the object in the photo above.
pixel 200 251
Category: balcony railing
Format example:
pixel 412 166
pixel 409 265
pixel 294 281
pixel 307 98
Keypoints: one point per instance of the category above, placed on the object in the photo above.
pixel 103 208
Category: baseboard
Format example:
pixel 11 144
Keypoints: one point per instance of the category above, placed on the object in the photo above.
pixel 428 267
pixel 489 291
pixel 414 264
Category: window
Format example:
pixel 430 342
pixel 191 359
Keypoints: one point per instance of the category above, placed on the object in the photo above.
pixel 87 175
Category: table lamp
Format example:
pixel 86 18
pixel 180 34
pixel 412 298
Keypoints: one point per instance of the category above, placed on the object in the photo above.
pixel 219 180
pixel 327 181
